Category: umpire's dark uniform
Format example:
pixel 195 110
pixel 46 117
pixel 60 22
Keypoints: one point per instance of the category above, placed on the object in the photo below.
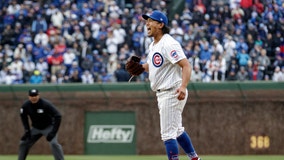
pixel 45 119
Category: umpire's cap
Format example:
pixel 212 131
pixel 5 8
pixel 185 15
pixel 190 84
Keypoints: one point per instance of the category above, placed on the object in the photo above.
pixel 157 16
pixel 33 92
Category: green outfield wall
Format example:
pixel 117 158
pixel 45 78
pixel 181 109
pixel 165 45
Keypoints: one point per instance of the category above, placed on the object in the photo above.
pixel 122 118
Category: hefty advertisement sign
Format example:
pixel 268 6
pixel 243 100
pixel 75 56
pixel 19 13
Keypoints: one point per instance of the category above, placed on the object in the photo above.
pixel 111 134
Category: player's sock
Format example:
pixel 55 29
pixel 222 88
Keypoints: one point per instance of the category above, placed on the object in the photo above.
pixel 172 149
pixel 186 144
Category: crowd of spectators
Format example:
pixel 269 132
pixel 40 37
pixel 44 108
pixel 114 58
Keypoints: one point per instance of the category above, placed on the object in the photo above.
pixel 89 41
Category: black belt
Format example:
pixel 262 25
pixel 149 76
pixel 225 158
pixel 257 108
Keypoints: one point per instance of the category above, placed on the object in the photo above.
pixel 160 90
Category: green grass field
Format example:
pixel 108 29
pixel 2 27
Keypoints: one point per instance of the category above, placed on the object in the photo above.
pixel 85 157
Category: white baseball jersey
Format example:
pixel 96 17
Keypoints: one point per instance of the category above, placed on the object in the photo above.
pixel 162 73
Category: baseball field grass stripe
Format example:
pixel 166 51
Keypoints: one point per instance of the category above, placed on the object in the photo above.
pixel 150 157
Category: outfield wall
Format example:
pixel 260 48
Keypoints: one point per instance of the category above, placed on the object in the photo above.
pixel 222 118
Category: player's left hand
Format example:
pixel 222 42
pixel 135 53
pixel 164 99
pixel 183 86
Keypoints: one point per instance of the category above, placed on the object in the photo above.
pixel 133 66
pixel 181 92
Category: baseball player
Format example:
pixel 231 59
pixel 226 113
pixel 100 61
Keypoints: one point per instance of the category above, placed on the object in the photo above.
pixel 45 120
pixel 169 75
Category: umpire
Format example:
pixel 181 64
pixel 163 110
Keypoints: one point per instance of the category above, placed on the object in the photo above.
pixel 45 120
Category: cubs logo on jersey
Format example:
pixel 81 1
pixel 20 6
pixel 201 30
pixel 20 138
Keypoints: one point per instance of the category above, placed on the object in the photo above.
pixel 157 59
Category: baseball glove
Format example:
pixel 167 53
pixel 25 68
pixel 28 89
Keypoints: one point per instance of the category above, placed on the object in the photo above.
pixel 133 66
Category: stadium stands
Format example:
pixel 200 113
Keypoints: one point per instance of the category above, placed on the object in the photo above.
pixel 61 41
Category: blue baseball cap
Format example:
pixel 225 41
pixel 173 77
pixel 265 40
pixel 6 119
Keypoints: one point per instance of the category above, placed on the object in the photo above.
pixel 157 16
